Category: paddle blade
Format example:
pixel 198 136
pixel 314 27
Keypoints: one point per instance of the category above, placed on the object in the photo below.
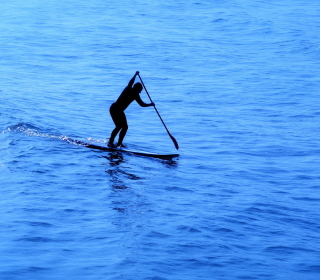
pixel 174 141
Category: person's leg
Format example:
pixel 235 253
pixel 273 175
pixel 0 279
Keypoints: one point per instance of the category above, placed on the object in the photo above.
pixel 124 129
pixel 116 117
pixel 113 135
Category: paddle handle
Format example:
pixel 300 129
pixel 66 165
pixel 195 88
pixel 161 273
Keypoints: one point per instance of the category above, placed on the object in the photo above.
pixel 153 103
pixel 172 138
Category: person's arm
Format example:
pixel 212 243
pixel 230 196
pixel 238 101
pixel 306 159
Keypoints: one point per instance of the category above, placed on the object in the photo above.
pixel 141 103
pixel 130 84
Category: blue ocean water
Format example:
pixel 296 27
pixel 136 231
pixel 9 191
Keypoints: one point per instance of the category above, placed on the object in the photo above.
pixel 237 84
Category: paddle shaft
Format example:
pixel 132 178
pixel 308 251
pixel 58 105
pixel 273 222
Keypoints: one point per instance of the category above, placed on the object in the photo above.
pixel 172 138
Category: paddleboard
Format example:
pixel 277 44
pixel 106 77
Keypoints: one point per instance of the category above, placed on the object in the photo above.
pixel 104 147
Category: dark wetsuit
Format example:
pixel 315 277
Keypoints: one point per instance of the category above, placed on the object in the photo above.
pixel 117 110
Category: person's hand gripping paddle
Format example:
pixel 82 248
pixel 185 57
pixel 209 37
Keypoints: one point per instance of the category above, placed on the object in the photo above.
pixel 172 138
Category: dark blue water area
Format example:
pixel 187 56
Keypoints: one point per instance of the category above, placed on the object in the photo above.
pixel 236 84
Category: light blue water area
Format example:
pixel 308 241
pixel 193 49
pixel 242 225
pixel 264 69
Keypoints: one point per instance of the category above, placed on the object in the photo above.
pixel 236 83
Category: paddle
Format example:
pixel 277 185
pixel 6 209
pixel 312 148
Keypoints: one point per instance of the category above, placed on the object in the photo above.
pixel 172 138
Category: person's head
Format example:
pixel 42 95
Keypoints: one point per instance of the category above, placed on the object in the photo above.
pixel 137 87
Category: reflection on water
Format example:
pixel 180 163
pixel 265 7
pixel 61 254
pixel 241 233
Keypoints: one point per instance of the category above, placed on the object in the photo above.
pixel 114 170
pixel 115 158
pixel 125 171
pixel 170 163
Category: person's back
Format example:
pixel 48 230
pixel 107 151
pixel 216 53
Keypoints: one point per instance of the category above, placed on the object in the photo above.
pixel 128 95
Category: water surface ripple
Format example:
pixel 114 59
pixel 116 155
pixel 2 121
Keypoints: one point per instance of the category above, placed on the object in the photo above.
pixel 237 84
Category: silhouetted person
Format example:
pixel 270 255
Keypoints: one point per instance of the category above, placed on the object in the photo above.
pixel 130 93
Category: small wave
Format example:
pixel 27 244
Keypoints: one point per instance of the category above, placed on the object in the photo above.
pixel 24 127
pixel 287 250
pixel 32 130
pixel 36 239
